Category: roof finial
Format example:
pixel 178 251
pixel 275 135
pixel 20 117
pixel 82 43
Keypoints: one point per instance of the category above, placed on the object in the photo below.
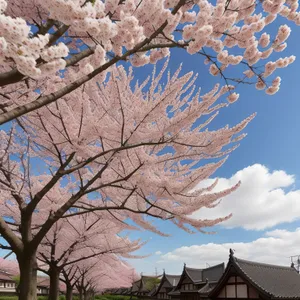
pixel 231 252
pixel 164 271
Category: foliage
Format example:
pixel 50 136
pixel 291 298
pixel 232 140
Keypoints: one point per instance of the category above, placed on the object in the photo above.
pixel 150 282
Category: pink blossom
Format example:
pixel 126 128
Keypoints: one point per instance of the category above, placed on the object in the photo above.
pixel 272 90
pixel 233 97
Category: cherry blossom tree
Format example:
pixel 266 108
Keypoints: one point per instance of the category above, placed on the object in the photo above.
pixel 132 151
pixel 9 266
pixel 94 276
pixel 86 37
pixel 80 238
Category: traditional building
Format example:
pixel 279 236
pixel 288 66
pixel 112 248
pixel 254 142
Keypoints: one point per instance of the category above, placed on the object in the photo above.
pixel 244 279
pixel 7 284
pixel 195 284
pixel 144 287
pixel 167 284
pixel 43 285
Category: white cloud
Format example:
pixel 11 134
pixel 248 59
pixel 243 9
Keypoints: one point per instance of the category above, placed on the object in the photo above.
pixel 275 247
pixel 262 201
pixel 158 252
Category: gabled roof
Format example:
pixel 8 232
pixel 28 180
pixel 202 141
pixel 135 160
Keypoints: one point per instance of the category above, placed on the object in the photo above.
pixel 276 282
pixel 214 273
pixel 172 280
pixel 194 274
pixel 144 284
pixel 199 276
pixel 136 286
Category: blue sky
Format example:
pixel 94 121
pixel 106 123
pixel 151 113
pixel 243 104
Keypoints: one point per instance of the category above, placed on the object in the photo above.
pixel 273 143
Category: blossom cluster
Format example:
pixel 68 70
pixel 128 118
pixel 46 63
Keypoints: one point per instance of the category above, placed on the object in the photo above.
pixel 18 44
pixel 122 126
pixel 120 26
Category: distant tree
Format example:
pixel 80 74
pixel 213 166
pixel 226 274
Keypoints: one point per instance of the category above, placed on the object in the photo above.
pixel 97 275
pixel 151 283
pixel 76 239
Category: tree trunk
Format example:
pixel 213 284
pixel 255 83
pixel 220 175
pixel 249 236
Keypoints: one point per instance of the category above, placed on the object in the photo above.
pixel 28 276
pixel 69 292
pixel 54 283
pixel 81 295
pixel 89 295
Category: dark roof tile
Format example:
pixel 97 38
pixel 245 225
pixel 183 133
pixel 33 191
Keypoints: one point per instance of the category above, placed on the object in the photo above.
pixel 213 273
pixel 277 281
pixel 194 274
pixel 173 279
pixel 207 288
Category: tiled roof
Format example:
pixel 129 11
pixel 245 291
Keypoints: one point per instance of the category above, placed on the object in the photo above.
pixel 194 274
pixel 173 279
pixel 207 288
pixel 136 286
pixel 5 276
pixel 43 281
pixel 276 281
pixel 213 273
pixel 201 275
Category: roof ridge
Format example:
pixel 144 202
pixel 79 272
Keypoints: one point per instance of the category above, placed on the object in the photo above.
pixel 194 269
pixel 218 265
pixel 263 264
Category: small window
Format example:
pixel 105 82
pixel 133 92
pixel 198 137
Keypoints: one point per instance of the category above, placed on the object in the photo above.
pixel 253 293
pixel 241 291
pixel 230 291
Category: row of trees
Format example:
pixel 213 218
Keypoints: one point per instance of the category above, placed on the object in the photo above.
pixel 85 254
pixel 84 143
